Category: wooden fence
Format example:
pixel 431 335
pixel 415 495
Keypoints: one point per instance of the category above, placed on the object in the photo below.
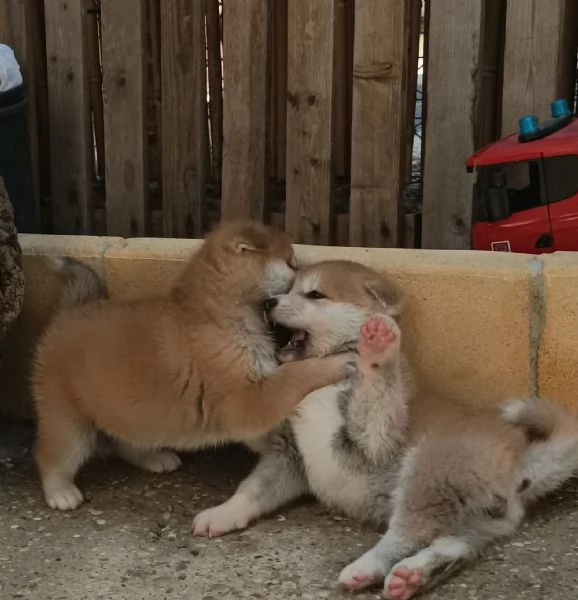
pixel 159 117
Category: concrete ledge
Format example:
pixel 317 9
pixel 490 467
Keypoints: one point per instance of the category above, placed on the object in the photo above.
pixel 478 326
pixel 558 351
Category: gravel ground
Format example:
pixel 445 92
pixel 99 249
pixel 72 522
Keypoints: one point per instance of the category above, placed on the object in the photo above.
pixel 131 540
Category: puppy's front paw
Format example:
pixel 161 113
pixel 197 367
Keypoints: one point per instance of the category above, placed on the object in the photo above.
pixel 365 572
pixel 63 497
pixel 160 462
pixel 379 342
pixel 219 520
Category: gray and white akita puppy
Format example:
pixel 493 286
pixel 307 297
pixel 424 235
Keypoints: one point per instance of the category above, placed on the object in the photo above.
pixel 447 479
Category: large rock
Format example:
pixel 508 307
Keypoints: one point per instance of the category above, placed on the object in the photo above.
pixel 11 272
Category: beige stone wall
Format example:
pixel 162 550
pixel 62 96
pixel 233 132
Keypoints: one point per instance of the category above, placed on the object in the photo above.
pixel 480 326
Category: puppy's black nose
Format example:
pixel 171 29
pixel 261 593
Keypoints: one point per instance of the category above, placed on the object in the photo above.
pixel 271 303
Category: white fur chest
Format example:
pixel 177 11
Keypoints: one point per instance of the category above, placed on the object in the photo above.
pixel 315 424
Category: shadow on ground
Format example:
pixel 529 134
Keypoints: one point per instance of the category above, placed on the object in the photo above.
pixel 131 540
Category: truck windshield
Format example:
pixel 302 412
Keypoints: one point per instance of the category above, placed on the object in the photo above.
pixel 517 185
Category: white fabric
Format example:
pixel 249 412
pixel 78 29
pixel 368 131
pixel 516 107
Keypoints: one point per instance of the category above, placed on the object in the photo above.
pixel 10 76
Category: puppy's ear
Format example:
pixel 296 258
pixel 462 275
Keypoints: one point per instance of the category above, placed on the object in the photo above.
pixel 386 295
pixel 250 237
pixel 241 244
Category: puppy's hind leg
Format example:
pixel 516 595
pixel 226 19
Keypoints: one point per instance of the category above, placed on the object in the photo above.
pixel 371 568
pixel 429 566
pixel 441 519
pixel 65 441
pixel 154 461
pixel 452 546
pixel 276 480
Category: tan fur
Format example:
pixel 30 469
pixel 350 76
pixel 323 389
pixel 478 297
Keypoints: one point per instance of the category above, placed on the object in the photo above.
pixel 191 367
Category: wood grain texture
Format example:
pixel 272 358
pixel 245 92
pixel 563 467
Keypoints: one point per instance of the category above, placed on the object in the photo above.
pixel 184 117
pixel 245 107
pixel 309 203
pixel 124 96
pixel 379 122
pixel 453 63
pixel 71 145
pixel 489 98
pixel 540 57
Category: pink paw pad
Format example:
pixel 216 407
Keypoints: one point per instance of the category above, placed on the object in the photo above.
pixel 376 337
pixel 402 583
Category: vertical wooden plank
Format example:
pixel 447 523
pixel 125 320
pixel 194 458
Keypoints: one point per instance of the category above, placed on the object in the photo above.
pixel 69 116
pixel 245 108
pixel 309 204
pixel 489 96
pixel 540 57
pixel 409 230
pixel 379 122
pixel 184 116
pixel 124 95
pixel 16 30
pixel 453 56
pixel 215 86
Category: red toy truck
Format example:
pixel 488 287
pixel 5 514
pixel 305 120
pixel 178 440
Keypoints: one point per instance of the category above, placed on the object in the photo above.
pixel 526 191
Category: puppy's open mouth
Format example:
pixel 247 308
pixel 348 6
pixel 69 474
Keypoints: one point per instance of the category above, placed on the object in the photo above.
pixel 286 339
pixel 297 340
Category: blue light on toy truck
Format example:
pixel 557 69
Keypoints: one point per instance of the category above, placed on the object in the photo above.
pixel 559 109
pixel 528 124
pixel 530 130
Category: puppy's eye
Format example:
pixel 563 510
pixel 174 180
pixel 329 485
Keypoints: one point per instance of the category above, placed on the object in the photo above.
pixel 315 295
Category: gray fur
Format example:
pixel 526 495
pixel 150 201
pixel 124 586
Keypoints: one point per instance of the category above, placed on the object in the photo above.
pixel 444 496
pixel 82 286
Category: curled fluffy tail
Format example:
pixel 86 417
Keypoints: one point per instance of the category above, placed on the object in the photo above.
pixel 83 284
pixel 552 455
